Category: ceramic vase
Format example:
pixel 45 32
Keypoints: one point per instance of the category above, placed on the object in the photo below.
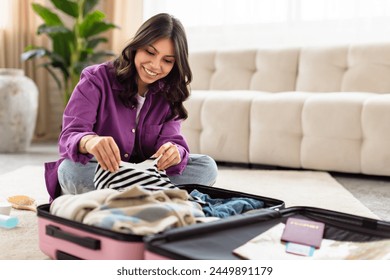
pixel 18 110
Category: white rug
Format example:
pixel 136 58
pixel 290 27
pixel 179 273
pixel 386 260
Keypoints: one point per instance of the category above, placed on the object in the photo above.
pixel 21 243
pixel 303 188
pixel 295 188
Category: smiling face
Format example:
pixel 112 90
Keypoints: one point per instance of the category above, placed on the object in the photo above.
pixel 154 62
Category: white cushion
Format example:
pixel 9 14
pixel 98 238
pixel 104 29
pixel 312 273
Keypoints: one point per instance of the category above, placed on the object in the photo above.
pixel 203 67
pixel 233 70
pixel 276 130
pixel 192 127
pixel 321 69
pixel 225 122
pixel 276 70
pixel 332 133
pixel 375 158
pixel 368 69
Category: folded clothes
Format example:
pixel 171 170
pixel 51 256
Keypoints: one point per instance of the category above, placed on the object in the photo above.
pixel 222 208
pixel 133 210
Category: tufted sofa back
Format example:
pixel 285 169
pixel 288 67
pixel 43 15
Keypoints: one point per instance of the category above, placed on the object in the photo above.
pixel 363 68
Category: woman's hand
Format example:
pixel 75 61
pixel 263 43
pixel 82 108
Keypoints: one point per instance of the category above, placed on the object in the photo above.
pixel 105 150
pixel 169 156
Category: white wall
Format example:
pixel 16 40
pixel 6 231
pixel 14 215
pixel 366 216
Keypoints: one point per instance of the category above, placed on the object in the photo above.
pixel 285 35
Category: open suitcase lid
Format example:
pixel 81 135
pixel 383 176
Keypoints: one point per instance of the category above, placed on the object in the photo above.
pixel 219 239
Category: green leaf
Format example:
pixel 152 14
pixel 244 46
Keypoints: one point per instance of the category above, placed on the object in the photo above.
pixel 37 52
pixel 52 73
pixel 93 24
pixel 62 50
pixel 62 67
pixel 68 7
pixel 84 55
pixel 97 57
pixel 30 47
pixel 48 16
pixel 92 43
pixel 64 44
pixel 97 28
pixel 44 29
pixel 33 53
pixel 58 61
pixel 79 66
pixel 89 5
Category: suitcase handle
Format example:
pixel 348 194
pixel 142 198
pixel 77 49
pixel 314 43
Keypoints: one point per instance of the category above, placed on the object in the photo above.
pixel 87 242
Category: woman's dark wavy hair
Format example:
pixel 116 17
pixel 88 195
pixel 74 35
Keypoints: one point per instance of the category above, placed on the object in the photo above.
pixel 176 89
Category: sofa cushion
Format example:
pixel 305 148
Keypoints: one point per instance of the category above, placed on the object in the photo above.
pixel 225 121
pixel 276 70
pixel 192 127
pixel 233 70
pixel 203 67
pixel 368 69
pixel 276 129
pixel 375 156
pixel 321 69
pixel 332 131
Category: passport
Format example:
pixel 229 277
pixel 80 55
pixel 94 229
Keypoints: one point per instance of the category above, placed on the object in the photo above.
pixel 304 232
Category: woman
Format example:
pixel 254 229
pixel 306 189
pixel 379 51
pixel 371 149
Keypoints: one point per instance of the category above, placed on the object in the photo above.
pixel 131 109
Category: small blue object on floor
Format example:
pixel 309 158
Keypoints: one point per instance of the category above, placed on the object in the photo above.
pixel 8 221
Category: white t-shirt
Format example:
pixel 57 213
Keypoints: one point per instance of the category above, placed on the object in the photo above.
pixel 141 101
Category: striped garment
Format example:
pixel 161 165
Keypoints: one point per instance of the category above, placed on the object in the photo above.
pixel 131 174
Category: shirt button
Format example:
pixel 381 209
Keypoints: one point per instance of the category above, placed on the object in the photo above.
pixel 133 130
pixel 126 155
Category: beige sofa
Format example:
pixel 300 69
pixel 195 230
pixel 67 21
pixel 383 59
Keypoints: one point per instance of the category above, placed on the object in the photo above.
pixel 312 108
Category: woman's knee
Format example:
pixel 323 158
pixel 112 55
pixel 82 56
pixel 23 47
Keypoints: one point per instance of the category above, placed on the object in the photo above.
pixel 210 166
pixel 207 167
pixel 76 178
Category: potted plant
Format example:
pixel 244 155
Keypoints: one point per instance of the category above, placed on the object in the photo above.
pixel 74 47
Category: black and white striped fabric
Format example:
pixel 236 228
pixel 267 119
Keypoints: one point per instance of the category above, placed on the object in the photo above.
pixel 132 174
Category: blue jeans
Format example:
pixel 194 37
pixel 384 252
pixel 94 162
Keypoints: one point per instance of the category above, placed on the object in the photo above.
pixel 226 207
pixel 76 178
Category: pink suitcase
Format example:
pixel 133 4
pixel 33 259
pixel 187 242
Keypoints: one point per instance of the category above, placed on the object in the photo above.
pixel 61 238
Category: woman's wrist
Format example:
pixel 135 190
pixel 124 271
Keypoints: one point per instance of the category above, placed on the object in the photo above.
pixel 83 143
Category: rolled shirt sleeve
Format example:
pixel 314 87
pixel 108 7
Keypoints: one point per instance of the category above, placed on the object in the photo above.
pixel 79 118
pixel 171 133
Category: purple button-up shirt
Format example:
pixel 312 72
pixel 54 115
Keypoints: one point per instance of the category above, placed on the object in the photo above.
pixel 95 108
